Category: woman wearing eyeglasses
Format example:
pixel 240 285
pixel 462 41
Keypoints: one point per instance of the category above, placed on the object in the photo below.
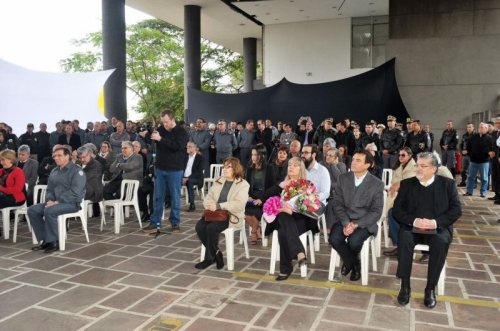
pixel 404 168
pixel 229 192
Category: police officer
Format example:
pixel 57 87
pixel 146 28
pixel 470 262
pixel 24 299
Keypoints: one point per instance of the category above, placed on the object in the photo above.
pixel 369 136
pixel 465 157
pixel 390 142
pixel 65 192
pixel 417 140
pixel 448 143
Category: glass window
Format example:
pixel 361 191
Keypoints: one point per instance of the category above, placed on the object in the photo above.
pixel 369 35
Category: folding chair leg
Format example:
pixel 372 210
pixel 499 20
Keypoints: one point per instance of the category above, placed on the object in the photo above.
pixel 333 264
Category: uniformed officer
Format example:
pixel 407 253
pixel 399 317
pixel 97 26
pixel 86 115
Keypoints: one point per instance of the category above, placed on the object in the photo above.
pixel 390 142
pixel 448 143
pixel 417 139
pixel 65 192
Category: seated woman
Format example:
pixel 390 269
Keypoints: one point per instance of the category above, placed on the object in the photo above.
pixel 278 168
pixel 257 176
pixel 106 152
pixel 12 181
pixel 344 156
pixel 404 168
pixel 229 192
pixel 291 224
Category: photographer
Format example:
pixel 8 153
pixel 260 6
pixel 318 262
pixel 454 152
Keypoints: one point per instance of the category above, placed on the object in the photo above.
pixel 170 140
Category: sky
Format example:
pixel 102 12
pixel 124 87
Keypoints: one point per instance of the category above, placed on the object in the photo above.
pixel 37 34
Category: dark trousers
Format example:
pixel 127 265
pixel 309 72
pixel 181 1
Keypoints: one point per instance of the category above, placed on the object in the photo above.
pixel 147 189
pixel 290 228
pixel 7 200
pixel 348 249
pixel 209 232
pixel 190 190
pixel 111 190
pixel 438 246
pixel 246 155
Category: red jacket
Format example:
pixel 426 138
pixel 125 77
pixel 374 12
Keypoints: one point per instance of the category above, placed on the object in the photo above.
pixel 14 185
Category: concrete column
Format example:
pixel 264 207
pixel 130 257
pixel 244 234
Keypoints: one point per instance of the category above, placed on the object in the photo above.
pixel 192 51
pixel 250 62
pixel 114 57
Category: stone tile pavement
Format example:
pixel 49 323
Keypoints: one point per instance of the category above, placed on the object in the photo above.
pixel 133 281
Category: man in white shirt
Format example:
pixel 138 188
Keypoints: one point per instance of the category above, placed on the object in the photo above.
pixel 316 173
pixel 357 206
pixel 193 174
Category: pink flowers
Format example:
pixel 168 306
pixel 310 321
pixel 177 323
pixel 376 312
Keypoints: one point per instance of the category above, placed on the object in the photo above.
pixel 271 208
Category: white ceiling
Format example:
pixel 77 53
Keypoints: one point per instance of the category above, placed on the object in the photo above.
pixel 225 26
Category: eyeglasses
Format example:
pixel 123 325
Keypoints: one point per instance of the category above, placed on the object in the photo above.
pixel 403 155
pixel 422 166
pixel 330 155
pixel 228 166
pixel 125 147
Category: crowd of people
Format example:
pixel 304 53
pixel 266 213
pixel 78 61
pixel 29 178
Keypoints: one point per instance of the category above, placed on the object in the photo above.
pixel 343 160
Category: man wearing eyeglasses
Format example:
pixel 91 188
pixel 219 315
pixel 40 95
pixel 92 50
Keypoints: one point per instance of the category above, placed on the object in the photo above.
pixel 426 208
pixel 65 192
pixel 127 165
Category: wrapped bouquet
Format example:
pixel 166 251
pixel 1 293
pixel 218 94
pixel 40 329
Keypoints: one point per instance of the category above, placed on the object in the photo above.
pixel 300 194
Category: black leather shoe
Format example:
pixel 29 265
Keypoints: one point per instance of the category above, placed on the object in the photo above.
pixel 219 260
pixel 282 277
pixel 145 217
pixel 51 247
pixel 467 194
pixel 168 205
pixel 40 247
pixel 356 271
pixel 430 298
pixel 496 197
pixel 191 207
pixel 204 264
pixel 345 270
pixel 391 252
pixel 497 202
pixel 404 296
pixel 462 184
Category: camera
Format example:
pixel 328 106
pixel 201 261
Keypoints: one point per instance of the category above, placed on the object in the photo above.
pixel 150 128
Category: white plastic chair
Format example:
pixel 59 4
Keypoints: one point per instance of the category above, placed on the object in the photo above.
pixel 381 224
pixel 215 172
pixel 305 238
pixel 317 236
pixel 129 197
pixel 387 178
pixel 442 276
pixel 229 234
pixel 39 192
pixel 195 188
pixel 61 224
pixel 6 217
pixel 89 211
pixel 364 257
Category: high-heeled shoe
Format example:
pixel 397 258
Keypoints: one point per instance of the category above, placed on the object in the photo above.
pixel 282 277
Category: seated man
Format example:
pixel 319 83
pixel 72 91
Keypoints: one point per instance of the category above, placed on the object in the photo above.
pixel 30 169
pixel 127 165
pixel 65 191
pixel 425 203
pixel 193 175
pixel 93 172
pixel 357 206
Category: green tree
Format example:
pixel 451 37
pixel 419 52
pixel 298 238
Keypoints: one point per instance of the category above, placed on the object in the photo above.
pixel 155 70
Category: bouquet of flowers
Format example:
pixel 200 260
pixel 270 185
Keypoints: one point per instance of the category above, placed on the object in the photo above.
pixel 301 194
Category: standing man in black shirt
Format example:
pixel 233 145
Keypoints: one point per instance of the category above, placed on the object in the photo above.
pixel 417 139
pixel 465 157
pixel 479 149
pixel 170 140
pixel 448 143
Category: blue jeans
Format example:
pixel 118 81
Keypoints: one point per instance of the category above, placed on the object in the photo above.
pixel 393 228
pixel 44 219
pixel 171 180
pixel 483 169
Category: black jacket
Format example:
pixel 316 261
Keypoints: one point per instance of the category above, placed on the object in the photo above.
pixel 171 149
pixel 478 148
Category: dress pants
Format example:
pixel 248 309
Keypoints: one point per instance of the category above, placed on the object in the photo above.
pixel 389 160
pixel 290 228
pixel 348 249
pixel 190 190
pixel 44 219
pixel 209 232
pixel 112 189
pixel 438 246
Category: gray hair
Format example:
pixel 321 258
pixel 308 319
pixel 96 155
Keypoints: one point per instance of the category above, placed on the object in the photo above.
pixel 23 149
pixel 335 152
pixel 129 143
pixel 330 142
pixel 136 143
pixel 83 150
pixel 91 147
pixel 429 156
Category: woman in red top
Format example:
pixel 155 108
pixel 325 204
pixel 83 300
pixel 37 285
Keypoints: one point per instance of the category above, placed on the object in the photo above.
pixel 12 181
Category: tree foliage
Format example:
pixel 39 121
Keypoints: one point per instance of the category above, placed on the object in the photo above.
pixel 155 65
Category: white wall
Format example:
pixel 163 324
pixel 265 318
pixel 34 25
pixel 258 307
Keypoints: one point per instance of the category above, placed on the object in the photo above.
pixel 322 48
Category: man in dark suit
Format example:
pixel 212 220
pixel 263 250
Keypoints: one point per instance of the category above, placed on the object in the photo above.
pixel 93 172
pixel 127 165
pixel 70 138
pixel 426 207
pixel 357 206
pixel 30 169
pixel 193 174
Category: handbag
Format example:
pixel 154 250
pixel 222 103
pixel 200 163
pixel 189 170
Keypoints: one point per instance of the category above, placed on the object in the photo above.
pixel 218 215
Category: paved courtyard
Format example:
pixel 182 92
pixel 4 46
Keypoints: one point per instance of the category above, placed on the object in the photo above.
pixel 133 281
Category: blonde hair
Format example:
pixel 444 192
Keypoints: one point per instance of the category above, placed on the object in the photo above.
pixel 298 161
pixel 8 154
